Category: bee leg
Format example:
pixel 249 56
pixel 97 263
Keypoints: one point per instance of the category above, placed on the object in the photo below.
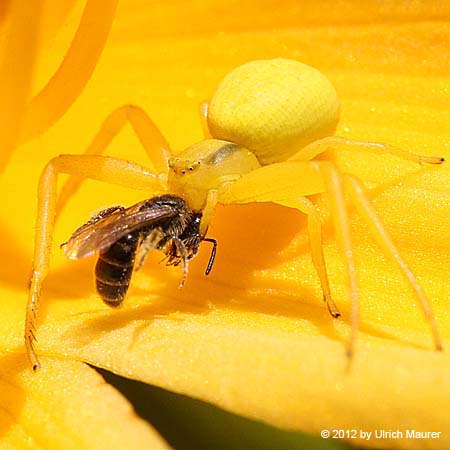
pixel 182 253
pixel 152 140
pixel 102 213
pixel 147 244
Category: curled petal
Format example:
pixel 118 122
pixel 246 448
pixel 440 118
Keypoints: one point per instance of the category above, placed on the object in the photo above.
pixel 74 72
pixel 16 69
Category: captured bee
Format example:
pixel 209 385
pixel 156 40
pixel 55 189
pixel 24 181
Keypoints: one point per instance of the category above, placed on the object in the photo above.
pixel 124 236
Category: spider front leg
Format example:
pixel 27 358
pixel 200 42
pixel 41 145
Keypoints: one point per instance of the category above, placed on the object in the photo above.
pixel 149 135
pixel 319 146
pixel 336 142
pixel 102 168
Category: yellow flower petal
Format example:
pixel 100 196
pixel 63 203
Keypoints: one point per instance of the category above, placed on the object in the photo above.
pixel 255 337
pixel 17 52
pixel 75 70
pixel 67 406
pixel 22 118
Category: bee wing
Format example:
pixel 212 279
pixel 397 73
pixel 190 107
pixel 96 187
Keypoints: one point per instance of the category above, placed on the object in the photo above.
pixel 99 235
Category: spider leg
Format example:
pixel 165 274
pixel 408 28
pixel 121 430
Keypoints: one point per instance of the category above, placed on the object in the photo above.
pixel 335 182
pixel 211 201
pixel 339 213
pixel 208 211
pixel 367 212
pixel 102 168
pixel 337 142
pixel 289 191
pixel 152 140
pixel 294 181
pixel 315 237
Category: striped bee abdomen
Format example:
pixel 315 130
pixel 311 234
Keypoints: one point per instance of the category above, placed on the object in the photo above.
pixel 114 269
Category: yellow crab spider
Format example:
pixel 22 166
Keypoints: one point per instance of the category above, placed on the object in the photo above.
pixel 268 119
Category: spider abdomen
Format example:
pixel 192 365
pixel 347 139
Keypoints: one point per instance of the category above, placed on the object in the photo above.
pixel 114 269
pixel 273 107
